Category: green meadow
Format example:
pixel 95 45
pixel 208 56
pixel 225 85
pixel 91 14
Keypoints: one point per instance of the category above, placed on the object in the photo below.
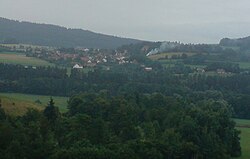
pixel 244 127
pixel 21 59
pixel 35 101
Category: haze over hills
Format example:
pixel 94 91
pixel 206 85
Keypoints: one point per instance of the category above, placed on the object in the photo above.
pixel 52 35
pixel 242 43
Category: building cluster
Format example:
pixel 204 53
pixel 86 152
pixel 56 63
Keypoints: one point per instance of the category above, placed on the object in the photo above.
pixel 77 58
pixel 82 56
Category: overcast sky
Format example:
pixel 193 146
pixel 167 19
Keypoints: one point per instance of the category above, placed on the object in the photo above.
pixel 189 21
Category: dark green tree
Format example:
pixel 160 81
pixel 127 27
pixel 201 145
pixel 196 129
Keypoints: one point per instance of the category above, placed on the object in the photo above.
pixel 2 112
pixel 51 112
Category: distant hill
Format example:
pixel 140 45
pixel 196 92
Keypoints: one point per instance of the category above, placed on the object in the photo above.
pixel 242 43
pixel 12 31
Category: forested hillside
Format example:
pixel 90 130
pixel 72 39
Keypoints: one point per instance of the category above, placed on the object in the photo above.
pixel 242 43
pixel 100 126
pixel 51 35
pixel 145 100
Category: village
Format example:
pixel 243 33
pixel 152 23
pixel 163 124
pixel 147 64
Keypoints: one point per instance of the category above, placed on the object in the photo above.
pixel 76 58
pixel 83 57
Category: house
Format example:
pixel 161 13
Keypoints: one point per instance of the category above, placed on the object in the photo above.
pixel 221 71
pixel 77 66
pixel 200 70
pixel 86 50
pixel 85 59
pixel 105 60
pixel 148 68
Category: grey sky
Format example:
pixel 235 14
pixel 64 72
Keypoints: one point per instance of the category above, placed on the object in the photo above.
pixel 189 21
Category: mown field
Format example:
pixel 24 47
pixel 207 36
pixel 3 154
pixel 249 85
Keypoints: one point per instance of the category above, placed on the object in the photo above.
pixel 17 104
pixel 18 58
pixel 244 127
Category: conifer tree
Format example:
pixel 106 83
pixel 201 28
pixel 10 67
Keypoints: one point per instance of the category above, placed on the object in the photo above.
pixel 51 112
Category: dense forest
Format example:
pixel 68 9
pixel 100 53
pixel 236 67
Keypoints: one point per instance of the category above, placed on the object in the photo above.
pixel 102 126
pixel 56 36
pixel 130 78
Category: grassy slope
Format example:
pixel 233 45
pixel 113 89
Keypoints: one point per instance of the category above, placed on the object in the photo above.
pixel 24 101
pixel 18 58
pixel 17 107
pixel 245 137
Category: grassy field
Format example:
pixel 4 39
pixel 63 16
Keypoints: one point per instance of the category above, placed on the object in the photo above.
pixel 18 58
pixel 24 101
pixel 169 55
pixel 165 59
pixel 242 122
pixel 172 62
pixel 244 127
pixel 169 62
pixel 244 65
pixel 196 66
pixel 16 107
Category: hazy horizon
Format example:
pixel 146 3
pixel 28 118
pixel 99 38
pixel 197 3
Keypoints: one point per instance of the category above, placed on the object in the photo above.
pixel 189 22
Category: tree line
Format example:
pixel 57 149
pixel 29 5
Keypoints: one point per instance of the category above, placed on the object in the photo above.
pixel 127 79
